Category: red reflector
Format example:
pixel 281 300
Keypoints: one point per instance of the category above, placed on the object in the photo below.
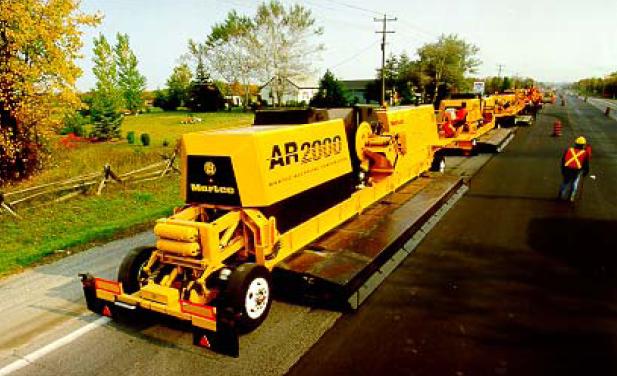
pixel 106 311
pixel 203 341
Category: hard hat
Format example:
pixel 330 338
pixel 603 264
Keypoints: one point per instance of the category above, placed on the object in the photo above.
pixel 580 141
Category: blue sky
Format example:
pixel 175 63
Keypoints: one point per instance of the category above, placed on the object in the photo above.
pixel 550 40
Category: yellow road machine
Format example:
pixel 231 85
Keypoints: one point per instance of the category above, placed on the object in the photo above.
pixel 256 196
pixel 480 120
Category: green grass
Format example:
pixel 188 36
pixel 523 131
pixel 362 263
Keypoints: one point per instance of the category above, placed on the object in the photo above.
pixel 85 158
pixel 167 126
pixel 45 230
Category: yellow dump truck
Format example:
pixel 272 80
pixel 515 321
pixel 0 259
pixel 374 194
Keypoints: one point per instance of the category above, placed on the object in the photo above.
pixel 254 196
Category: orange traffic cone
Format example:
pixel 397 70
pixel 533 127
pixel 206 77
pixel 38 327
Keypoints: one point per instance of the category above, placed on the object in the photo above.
pixel 557 128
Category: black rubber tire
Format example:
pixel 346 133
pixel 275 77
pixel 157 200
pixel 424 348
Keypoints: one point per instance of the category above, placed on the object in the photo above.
pixel 236 293
pixel 130 267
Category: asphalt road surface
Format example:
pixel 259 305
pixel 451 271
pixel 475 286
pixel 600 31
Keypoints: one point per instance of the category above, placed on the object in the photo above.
pixel 43 316
pixel 510 282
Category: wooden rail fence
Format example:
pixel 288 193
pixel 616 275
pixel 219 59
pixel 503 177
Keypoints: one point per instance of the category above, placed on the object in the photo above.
pixel 66 189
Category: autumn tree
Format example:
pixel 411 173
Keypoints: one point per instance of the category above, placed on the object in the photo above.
pixel 107 98
pixel 130 82
pixel 331 93
pixel 39 42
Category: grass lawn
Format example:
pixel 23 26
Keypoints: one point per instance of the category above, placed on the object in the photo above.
pixel 45 230
pixel 86 158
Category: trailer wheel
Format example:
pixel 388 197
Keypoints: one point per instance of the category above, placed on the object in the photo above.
pixel 249 293
pixel 438 164
pixel 131 272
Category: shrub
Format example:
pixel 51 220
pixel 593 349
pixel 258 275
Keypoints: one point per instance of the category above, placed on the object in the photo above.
pixel 130 137
pixel 75 124
pixel 145 139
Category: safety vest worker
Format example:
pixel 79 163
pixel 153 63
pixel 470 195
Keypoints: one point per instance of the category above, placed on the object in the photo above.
pixel 574 165
pixel 577 157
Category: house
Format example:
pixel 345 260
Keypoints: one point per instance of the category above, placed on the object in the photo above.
pixel 235 93
pixel 356 89
pixel 293 93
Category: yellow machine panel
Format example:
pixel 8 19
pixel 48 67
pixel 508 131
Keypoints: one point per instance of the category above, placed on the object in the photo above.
pixel 505 105
pixel 261 165
pixel 417 130
pixel 474 110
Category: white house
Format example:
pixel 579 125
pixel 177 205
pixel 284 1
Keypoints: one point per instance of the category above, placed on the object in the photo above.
pixel 292 92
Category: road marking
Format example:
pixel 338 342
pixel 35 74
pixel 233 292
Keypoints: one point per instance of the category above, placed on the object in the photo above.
pixel 33 356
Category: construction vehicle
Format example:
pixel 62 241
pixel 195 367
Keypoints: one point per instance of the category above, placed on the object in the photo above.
pixel 549 97
pixel 480 120
pixel 255 196
pixel 506 109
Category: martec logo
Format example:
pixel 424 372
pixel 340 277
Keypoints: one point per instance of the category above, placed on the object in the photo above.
pixel 209 168
pixel 212 189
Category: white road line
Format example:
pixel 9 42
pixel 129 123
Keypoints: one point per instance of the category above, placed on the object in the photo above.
pixel 33 356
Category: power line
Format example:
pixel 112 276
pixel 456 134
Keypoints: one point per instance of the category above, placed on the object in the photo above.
pixel 355 7
pixel 384 20
pixel 427 35
pixel 356 54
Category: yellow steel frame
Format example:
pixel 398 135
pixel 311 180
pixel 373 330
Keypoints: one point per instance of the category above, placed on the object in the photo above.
pixel 417 139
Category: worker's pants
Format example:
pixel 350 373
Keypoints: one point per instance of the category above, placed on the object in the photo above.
pixel 571 181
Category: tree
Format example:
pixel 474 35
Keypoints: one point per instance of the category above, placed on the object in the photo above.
pixel 130 81
pixel 163 100
pixel 107 97
pixel 283 44
pixel 39 42
pixel 179 85
pixel 505 84
pixel 204 95
pixel 232 54
pixel 331 93
pixel 493 85
pixel 447 61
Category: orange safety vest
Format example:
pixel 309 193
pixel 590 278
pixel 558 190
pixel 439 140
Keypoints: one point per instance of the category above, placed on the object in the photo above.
pixel 575 158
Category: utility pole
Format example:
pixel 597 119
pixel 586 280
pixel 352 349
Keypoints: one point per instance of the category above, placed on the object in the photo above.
pixel 499 66
pixel 383 32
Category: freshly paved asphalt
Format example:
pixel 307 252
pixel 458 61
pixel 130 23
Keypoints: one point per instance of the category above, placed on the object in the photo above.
pixel 510 282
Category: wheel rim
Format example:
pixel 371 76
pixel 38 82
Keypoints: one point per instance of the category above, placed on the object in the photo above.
pixel 142 276
pixel 257 298
pixel 442 165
